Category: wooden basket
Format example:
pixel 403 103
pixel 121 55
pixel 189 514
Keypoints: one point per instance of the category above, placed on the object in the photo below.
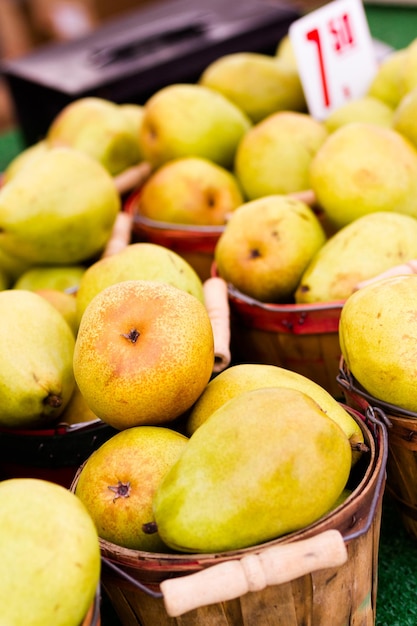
pixel 194 243
pixel 303 338
pixel 194 590
pixel 53 453
pixel 402 446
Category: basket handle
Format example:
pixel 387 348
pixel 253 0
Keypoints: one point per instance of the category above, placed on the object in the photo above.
pixel 253 572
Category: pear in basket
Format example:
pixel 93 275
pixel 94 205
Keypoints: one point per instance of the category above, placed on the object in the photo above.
pixel 259 84
pixel 362 168
pixel 36 353
pixel 61 210
pixel 144 353
pixel 365 109
pixel 360 250
pixel 388 84
pixel 243 377
pixel 378 339
pixel 50 555
pixel 118 481
pixel 191 120
pixel 266 246
pixel 266 463
pixel 138 261
pixel 99 128
pixel 59 277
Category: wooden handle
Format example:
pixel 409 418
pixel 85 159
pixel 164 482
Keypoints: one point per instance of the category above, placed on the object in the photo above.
pixel 398 270
pixel 121 234
pixel 133 177
pixel 217 304
pixel 253 572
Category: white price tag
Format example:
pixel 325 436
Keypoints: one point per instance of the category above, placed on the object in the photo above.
pixel 335 54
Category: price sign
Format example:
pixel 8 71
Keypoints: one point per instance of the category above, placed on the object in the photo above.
pixel 335 55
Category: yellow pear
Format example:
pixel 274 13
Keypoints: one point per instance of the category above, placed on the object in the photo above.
pixel 24 157
pixel 274 156
pixel 388 84
pixel 60 211
pixel 138 261
pixel 366 109
pixel 36 350
pixel 361 250
pixel 266 463
pixel 144 353
pixel 363 168
pixel 99 128
pixel 257 83
pixel 77 410
pixel 192 191
pixel 404 118
pixel 191 120
pixel 58 582
pixel 378 339
pixel 64 302
pixel 237 379
pixel 266 246
pixel 118 482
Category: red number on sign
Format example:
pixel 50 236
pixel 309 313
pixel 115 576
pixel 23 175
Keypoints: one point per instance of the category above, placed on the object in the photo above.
pixel 341 31
pixel 314 36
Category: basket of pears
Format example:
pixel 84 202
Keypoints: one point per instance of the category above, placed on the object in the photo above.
pixel 261 505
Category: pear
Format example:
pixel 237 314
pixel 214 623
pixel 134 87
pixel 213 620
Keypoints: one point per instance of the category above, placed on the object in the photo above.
pixel 274 156
pixel 266 246
pixel 410 67
pixel 285 51
pixel 388 84
pixel 12 266
pixel 191 120
pixel 363 168
pixel 58 582
pixel 60 277
pixel 266 463
pixel 365 109
pixel 134 115
pixel 190 190
pixel 378 339
pixel 243 377
pixel 404 118
pixel 257 83
pixel 361 250
pixel 24 157
pixel 139 261
pixel 99 128
pixel 61 211
pixel 118 482
pixel 36 373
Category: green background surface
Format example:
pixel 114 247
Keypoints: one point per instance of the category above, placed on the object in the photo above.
pixel 397 572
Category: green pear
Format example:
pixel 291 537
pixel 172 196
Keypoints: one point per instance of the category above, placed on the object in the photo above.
pixel 50 555
pixel 243 377
pixel 361 250
pixel 99 128
pixel 61 211
pixel 119 480
pixel 191 120
pixel 274 156
pixel 12 266
pixel 266 463
pixel 404 118
pixel 36 373
pixel 378 340
pixel 266 246
pixel 388 84
pixel 24 157
pixel 257 83
pixel 138 261
pixel 363 168
pixel 190 190
pixel 60 277
pixel 285 51
pixel 365 109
